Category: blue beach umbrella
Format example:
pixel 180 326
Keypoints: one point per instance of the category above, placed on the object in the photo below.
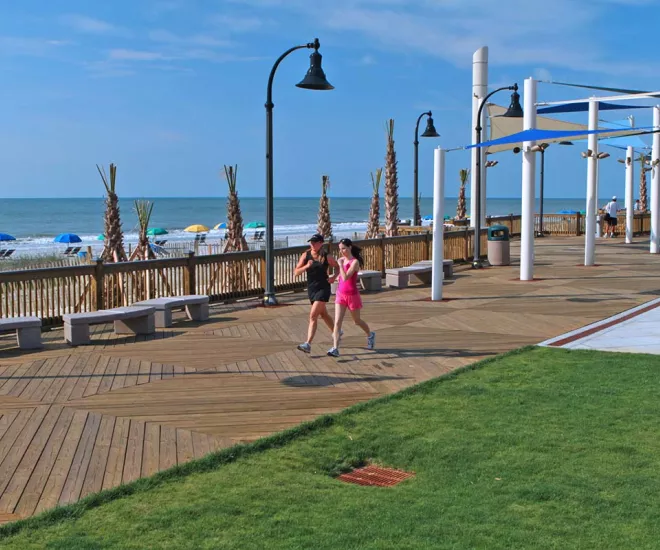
pixel 67 238
pixel 567 212
pixel 428 218
pixel 6 237
pixel 100 238
pixel 221 225
pixel 255 225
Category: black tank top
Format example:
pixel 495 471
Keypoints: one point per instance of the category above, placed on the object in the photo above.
pixel 317 275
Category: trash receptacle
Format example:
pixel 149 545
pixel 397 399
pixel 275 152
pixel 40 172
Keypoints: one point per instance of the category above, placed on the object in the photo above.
pixel 499 245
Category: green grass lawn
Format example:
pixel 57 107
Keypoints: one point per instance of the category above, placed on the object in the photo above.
pixel 537 449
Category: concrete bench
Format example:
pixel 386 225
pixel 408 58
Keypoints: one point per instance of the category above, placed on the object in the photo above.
pixel 127 320
pixel 421 272
pixel 370 280
pixel 196 306
pixel 28 331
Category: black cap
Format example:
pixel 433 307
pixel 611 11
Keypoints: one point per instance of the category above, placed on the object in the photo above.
pixel 316 238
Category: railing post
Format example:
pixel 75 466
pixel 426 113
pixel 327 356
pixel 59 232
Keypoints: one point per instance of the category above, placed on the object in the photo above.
pixel 262 269
pixel 578 220
pixel 98 284
pixel 427 248
pixel 190 279
pixel 466 252
pixel 382 255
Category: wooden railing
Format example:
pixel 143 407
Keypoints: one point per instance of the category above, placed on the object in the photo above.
pixel 51 293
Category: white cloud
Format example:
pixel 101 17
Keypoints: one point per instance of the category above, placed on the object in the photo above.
pixel 517 32
pixel 205 40
pixel 35 47
pixel 367 59
pixel 236 24
pixel 120 54
pixel 88 25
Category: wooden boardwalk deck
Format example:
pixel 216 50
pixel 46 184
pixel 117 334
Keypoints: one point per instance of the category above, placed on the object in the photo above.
pixel 74 421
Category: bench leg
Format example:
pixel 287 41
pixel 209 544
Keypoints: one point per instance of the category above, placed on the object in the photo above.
pixel 76 335
pixel 423 278
pixel 399 280
pixel 136 325
pixel 372 283
pixel 163 318
pixel 29 338
pixel 448 271
pixel 197 312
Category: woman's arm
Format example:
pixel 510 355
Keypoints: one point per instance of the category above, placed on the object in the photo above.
pixel 355 267
pixel 302 265
pixel 335 269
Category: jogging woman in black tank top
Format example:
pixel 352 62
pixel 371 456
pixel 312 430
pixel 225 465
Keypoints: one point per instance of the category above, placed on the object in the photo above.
pixel 315 263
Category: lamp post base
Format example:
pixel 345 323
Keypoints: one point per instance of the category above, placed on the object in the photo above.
pixel 270 300
pixel 477 264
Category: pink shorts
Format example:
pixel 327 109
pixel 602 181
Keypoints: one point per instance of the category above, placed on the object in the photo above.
pixel 351 301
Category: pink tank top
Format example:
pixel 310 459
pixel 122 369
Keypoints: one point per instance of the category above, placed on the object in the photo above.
pixel 348 286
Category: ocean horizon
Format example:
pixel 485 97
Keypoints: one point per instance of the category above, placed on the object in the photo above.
pixel 35 222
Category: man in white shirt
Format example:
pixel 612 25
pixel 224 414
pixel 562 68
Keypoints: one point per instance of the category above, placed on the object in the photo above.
pixel 611 211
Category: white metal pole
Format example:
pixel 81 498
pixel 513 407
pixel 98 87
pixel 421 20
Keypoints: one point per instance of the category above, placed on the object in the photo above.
pixel 479 91
pixel 590 225
pixel 438 223
pixel 528 185
pixel 655 184
pixel 630 198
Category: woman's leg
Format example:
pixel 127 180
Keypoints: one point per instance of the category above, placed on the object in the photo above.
pixel 314 313
pixel 340 311
pixel 359 322
pixel 327 318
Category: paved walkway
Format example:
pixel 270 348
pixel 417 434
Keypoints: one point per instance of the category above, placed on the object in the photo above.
pixel 634 331
pixel 77 420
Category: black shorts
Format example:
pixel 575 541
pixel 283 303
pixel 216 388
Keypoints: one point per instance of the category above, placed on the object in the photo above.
pixel 611 220
pixel 317 294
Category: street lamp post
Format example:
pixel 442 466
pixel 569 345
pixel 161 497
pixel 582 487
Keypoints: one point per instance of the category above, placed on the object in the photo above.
pixel 314 80
pixel 429 132
pixel 514 111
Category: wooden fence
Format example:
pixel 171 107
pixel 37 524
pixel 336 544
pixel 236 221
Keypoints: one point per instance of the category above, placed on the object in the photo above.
pixel 51 293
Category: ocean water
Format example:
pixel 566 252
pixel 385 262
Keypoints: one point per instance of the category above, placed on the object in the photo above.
pixel 35 222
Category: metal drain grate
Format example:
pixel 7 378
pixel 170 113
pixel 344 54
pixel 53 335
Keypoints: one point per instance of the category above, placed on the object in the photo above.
pixel 375 476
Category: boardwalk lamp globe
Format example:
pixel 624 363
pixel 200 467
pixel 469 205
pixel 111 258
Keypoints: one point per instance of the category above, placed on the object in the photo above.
pixel 314 80
pixel 430 128
pixel 315 77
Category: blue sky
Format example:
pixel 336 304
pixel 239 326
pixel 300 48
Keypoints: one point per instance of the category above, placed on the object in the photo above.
pixel 170 90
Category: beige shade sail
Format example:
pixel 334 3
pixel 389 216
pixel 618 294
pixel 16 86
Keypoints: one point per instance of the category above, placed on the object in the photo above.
pixel 501 126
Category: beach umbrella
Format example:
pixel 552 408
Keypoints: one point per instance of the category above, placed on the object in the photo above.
pixel 68 238
pixel 222 225
pixel 196 228
pixel 6 237
pixel 255 225
pixel 156 231
pixel 101 237
pixel 567 212
pixel 428 218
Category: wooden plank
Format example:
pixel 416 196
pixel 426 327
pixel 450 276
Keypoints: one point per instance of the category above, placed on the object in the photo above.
pixel 184 446
pixel 151 453
pixel 168 452
pixel 114 467
pixel 81 459
pixel 39 476
pixel 133 460
pixel 96 471
pixel 200 444
pixel 60 471
pixel 99 374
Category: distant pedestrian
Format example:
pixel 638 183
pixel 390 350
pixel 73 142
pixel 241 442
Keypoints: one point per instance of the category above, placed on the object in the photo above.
pixel 348 295
pixel 611 212
pixel 637 206
pixel 315 263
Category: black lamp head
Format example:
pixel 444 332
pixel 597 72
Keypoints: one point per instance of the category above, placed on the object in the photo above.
pixel 514 110
pixel 315 77
pixel 566 143
pixel 430 128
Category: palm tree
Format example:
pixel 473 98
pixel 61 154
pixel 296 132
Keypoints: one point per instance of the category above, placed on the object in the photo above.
pixel 374 212
pixel 463 175
pixel 643 197
pixel 391 184
pixel 114 237
pixel 143 210
pixel 325 225
pixel 235 237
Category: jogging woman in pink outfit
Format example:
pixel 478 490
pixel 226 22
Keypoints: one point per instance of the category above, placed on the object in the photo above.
pixel 348 295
